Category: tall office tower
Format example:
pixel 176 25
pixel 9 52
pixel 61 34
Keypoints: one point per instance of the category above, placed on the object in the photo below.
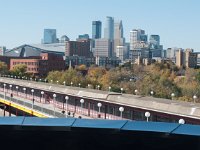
pixel 119 40
pixel 50 36
pixel 96 29
pixel 154 41
pixel 109 29
pixel 138 41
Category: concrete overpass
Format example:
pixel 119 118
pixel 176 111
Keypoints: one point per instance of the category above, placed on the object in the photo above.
pixel 134 105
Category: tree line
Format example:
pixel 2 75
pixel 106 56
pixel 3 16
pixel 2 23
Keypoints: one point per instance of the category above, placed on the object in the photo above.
pixel 162 78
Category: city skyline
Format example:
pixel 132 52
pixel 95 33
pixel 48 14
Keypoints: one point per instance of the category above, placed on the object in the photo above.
pixel 175 21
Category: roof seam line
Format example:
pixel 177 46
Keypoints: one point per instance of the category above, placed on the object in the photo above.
pixel 124 124
pixel 73 122
pixel 175 129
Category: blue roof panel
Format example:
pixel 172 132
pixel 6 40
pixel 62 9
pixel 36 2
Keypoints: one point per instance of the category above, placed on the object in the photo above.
pixel 187 129
pixel 11 120
pixel 34 121
pixel 95 123
pixel 149 126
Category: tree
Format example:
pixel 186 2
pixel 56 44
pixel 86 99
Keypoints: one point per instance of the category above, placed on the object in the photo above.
pixel 19 70
pixel 3 68
pixel 95 74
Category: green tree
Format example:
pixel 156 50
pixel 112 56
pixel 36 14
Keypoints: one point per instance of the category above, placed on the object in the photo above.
pixel 19 70
pixel 3 68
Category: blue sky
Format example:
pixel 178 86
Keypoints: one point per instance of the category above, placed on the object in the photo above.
pixel 176 21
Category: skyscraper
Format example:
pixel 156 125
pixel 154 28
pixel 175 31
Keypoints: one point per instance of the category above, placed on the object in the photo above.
pixel 154 41
pixel 109 29
pixel 137 38
pixel 96 29
pixel 138 41
pixel 118 36
pixel 49 36
pixel 118 30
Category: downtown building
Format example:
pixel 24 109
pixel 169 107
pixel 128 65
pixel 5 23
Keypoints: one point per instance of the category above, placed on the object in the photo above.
pixel 96 29
pixel 39 65
pixel 120 49
pixel 156 49
pixel 2 50
pixel 78 52
pixel 96 33
pixel 186 58
pixel 138 42
pixel 50 36
pixel 35 54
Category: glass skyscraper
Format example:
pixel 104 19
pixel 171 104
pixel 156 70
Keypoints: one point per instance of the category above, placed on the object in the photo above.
pixel 96 29
pixel 154 41
pixel 109 29
pixel 49 36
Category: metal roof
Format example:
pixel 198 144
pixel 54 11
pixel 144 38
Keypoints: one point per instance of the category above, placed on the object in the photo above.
pixel 27 50
pixel 120 125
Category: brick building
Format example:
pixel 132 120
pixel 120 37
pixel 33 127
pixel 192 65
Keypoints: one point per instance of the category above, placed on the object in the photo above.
pixel 40 65
pixel 78 48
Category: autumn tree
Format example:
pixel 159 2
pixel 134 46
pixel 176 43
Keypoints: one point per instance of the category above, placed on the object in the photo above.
pixel 3 68
pixel 94 75
pixel 19 70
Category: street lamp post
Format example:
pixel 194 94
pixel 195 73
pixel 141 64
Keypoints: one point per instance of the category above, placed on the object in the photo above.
pixel 32 91
pixel 82 101
pixel 66 101
pixel 99 105
pixel 24 91
pixel 10 92
pixel 181 121
pixel 194 98
pixel 121 90
pixel 42 93
pixel 147 115
pixel 71 83
pixel 51 81
pixel 79 85
pixel 136 91
pixel 17 89
pixel 121 109
pixel 151 93
pixel 4 112
pixel 98 86
pixel 172 95
pixel 57 82
pixel 64 83
pixel 54 100
pixel 4 90
pixel 109 88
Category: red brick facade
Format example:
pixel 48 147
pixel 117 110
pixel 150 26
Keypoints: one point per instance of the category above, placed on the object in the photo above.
pixel 40 65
